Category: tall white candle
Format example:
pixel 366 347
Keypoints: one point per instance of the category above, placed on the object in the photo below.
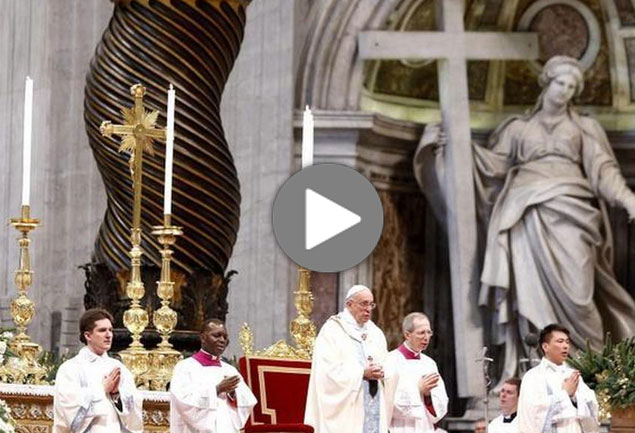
pixel 169 152
pixel 307 138
pixel 26 142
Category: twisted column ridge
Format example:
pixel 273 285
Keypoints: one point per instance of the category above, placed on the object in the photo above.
pixel 193 45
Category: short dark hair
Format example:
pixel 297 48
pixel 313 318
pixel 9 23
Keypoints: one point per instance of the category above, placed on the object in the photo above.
pixel 545 334
pixel 516 382
pixel 88 320
pixel 208 322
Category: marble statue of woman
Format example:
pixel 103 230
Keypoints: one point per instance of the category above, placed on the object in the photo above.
pixel 542 184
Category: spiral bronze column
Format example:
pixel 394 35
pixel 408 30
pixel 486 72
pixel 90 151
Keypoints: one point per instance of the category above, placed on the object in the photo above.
pixel 193 45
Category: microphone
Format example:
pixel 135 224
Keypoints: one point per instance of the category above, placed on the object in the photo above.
pixel 531 340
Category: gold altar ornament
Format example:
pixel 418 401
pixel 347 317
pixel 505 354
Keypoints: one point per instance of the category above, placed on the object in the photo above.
pixel 302 327
pixel 138 133
pixel 163 358
pixel 25 368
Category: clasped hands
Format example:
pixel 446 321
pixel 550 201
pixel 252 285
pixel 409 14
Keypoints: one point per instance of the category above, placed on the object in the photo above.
pixel 570 384
pixel 111 382
pixel 427 382
pixel 227 385
pixel 373 371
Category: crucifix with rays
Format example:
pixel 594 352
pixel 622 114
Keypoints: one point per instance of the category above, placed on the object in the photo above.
pixel 138 134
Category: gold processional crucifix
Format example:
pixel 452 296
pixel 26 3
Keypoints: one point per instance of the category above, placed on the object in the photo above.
pixel 138 134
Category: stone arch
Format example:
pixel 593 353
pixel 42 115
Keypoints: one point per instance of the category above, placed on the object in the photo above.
pixel 330 52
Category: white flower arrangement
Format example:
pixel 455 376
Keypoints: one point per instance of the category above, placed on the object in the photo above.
pixel 7 423
pixel 5 337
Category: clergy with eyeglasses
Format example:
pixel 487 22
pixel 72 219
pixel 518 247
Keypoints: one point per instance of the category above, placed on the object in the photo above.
pixel 420 399
pixel 348 384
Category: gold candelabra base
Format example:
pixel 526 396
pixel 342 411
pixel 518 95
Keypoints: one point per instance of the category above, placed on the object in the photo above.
pixel 162 362
pixel 136 360
pixel 163 358
pixel 24 368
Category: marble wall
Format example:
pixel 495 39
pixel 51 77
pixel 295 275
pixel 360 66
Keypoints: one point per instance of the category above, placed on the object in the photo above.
pixel 52 41
pixel 257 113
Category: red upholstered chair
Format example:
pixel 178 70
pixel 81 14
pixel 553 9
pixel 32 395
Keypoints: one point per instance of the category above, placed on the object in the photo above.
pixel 280 385
pixel 279 375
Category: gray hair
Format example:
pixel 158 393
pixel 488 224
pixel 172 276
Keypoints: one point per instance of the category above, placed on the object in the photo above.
pixel 408 324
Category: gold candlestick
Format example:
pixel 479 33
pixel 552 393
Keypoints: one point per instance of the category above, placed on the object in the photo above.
pixel 138 132
pixel 302 328
pixel 26 369
pixel 163 358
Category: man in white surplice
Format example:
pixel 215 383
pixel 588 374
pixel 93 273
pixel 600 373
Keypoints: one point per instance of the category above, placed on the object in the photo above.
pixel 553 396
pixel 93 392
pixel 507 422
pixel 346 388
pixel 420 400
pixel 207 395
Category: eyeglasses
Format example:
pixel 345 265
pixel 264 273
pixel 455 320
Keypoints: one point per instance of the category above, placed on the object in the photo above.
pixel 367 304
pixel 427 332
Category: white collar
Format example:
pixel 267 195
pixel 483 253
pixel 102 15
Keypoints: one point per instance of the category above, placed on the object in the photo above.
pixel 214 357
pixel 88 355
pixel 407 346
pixel 350 320
pixel 549 365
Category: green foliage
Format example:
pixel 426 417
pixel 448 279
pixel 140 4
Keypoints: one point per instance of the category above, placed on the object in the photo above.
pixel 610 372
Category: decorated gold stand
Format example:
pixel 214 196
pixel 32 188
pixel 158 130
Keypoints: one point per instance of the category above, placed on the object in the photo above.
pixel 302 328
pixel 163 358
pixel 25 367
pixel 138 134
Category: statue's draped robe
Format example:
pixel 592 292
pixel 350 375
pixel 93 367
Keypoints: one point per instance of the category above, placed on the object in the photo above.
pixel 541 190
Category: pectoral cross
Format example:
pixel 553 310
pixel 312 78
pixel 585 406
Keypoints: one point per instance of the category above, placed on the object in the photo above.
pixel 138 134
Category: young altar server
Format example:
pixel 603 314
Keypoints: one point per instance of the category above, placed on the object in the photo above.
pixel 507 422
pixel 553 396
pixel 346 388
pixel 420 400
pixel 94 392
pixel 207 395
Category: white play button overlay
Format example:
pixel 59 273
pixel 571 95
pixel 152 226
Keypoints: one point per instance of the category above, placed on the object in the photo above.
pixel 325 219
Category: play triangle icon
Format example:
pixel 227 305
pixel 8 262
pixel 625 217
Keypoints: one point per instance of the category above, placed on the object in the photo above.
pixel 325 219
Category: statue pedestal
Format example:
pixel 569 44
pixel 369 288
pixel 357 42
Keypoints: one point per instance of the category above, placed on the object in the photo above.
pixel 32 408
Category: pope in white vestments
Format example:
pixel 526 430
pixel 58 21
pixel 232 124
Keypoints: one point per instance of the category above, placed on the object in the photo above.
pixel 346 388
pixel 93 392
pixel 507 422
pixel 553 396
pixel 207 395
pixel 420 399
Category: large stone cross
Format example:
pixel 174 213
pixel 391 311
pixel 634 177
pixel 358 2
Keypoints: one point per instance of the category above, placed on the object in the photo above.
pixel 452 47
